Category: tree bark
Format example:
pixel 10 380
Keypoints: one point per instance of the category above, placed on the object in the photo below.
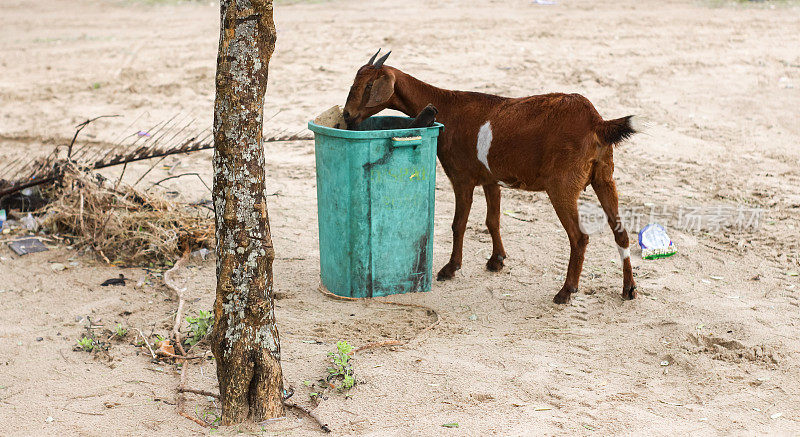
pixel 245 341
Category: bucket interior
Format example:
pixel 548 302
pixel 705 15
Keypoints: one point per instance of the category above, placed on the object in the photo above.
pixel 383 123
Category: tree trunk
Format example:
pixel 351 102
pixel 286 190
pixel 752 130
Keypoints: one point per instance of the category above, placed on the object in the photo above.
pixel 245 340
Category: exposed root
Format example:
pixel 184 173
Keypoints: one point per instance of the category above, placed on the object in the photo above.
pixel 170 282
pixel 197 392
pixel 322 425
pixel 183 358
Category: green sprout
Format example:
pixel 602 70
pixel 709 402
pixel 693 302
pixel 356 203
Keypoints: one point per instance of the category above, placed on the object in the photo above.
pixel 342 368
pixel 87 344
pixel 199 326
pixel 120 331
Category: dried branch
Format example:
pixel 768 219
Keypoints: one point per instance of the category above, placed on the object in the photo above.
pixel 80 128
pixel 153 354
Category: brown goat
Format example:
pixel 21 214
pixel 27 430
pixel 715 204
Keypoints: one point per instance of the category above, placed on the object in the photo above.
pixel 556 143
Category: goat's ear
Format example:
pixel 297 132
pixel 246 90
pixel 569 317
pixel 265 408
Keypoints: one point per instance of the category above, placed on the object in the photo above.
pixel 382 90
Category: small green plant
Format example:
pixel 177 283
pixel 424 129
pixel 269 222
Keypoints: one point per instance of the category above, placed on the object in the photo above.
pixel 209 416
pixel 120 331
pixel 199 326
pixel 342 368
pixel 86 343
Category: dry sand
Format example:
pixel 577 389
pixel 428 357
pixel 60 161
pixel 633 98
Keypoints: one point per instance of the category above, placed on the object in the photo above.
pixel 719 83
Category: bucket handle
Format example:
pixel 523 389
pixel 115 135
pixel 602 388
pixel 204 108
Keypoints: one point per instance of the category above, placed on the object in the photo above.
pixel 407 141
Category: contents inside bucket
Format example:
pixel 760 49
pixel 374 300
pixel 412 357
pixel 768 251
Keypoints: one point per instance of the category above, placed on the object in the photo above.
pixel 334 117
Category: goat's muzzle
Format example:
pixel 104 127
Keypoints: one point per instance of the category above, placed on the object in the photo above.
pixel 350 120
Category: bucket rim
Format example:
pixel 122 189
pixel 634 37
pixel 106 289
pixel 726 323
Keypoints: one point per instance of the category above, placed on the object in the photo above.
pixel 367 134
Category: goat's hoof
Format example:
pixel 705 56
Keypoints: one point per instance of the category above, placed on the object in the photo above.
pixel 495 263
pixel 564 295
pixel 447 272
pixel 629 293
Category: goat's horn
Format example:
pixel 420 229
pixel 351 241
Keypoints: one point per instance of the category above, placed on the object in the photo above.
pixel 372 59
pixel 380 61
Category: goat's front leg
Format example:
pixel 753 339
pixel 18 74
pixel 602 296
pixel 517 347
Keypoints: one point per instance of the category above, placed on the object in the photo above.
pixel 492 192
pixel 463 194
pixel 566 207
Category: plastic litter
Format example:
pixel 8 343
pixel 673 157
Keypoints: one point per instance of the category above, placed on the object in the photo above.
pixel 655 243
pixel 333 117
pixel 30 223
pixel 2 218
pixel 26 246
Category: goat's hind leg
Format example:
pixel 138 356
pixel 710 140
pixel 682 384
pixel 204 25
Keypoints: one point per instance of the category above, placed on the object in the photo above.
pixel 492 192
pixel 606 191
pixel 566 206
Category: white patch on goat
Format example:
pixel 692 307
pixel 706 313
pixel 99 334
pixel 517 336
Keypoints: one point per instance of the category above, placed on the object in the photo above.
pixel 503 184
pixel 624 253
pixel 484 142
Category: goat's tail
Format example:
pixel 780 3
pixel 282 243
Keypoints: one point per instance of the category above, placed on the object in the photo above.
pixel 613 132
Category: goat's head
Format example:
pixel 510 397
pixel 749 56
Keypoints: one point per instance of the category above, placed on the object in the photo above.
pixel 371 92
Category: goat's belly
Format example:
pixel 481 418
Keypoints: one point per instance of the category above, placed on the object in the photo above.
pixel 500 164
pixel 521 183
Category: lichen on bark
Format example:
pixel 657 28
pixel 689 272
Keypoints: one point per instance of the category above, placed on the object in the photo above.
pixel 245 340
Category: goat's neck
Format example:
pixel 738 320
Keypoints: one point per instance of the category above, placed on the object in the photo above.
pixel 412 95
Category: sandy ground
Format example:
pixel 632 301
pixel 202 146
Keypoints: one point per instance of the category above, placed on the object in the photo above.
pixel 711 347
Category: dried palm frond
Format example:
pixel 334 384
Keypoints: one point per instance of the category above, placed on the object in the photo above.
pixel 122 225
pixel 179 134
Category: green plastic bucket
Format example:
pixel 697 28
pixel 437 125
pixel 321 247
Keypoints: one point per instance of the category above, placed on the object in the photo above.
pixel 375 199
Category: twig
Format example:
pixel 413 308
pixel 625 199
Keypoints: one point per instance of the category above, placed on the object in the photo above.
pixel 64 357
pixel 124 167
pixel 83 412
pixel 197 392
pixel 178 357
pixel 80 128
pixel 80 214
pixel 323 426
pixel 181 175
pixel 147 343
pixel 377 344
pixel 199 342
pixel 514 216
pixel 194 419
pixel 148 171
